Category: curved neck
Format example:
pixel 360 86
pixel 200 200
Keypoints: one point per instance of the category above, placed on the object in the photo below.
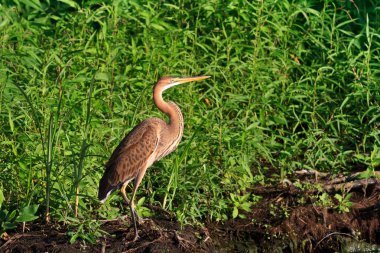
pixel 169 108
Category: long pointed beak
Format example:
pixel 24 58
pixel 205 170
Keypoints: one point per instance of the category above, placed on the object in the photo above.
pixel 180 80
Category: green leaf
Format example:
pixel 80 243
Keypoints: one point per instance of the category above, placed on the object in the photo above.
pixel 73 238
pixel 101 76
pixel 8 225
pixel 10 119
pixel 246 206
pixel 235 212
pixel 1 197
pixel 158 27
pixel 70 3
pixel 35 4
pixel 141 201
pixel 28 213
pixel 367 173
pixel 376 162
pixel 338 197
pixel 347 199
pixel 12 215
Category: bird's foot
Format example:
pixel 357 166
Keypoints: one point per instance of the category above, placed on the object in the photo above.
pixel 182 241
pixel 136 237
pixel 128 239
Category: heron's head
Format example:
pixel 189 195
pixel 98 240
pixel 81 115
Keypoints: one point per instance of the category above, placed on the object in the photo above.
pixel 167 82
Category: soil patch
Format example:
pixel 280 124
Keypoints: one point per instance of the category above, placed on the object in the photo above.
pixel 287 219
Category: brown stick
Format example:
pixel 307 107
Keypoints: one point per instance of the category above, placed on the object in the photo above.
pixel 312 173
pixel 351 185
pixel 76 202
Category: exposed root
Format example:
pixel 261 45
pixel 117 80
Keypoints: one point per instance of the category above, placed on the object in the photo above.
pixel 331 234
pixel 346 187
pixel 143 245
pixel 317 175
pixel 340 183
pixel 183 243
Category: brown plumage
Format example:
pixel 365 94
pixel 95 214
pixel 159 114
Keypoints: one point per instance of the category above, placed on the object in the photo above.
pixel 148 142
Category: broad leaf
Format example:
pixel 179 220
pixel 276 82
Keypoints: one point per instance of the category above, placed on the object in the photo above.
pixel 28 213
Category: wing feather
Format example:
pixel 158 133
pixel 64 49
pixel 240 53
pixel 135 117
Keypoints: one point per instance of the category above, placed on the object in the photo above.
pixel 130 156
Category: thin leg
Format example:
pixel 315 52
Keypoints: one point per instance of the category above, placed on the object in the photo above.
pixel 122 190
pixel 127 201
pixel 133 211
pixel 132 204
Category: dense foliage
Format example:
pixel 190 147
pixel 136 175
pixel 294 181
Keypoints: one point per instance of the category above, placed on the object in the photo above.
pixel 295 85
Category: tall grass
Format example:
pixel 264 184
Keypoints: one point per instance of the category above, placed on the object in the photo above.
pixel 294 85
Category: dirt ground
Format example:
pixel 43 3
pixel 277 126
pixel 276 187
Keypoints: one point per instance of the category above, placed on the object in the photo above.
pixel 287 219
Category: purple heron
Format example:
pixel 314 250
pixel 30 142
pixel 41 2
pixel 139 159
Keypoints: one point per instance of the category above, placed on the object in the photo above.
pixel 148 142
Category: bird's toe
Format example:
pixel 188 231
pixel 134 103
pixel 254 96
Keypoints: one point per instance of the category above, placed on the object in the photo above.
pixel 136 238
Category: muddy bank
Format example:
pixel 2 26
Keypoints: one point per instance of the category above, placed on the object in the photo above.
pixel 287 219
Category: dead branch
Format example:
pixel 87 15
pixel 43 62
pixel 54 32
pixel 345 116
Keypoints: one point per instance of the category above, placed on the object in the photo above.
pixel 362 183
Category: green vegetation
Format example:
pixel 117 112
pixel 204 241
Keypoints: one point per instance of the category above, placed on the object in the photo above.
pixel 295 85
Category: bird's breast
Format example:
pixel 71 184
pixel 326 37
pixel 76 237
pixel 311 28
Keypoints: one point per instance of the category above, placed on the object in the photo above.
pixel 168 142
